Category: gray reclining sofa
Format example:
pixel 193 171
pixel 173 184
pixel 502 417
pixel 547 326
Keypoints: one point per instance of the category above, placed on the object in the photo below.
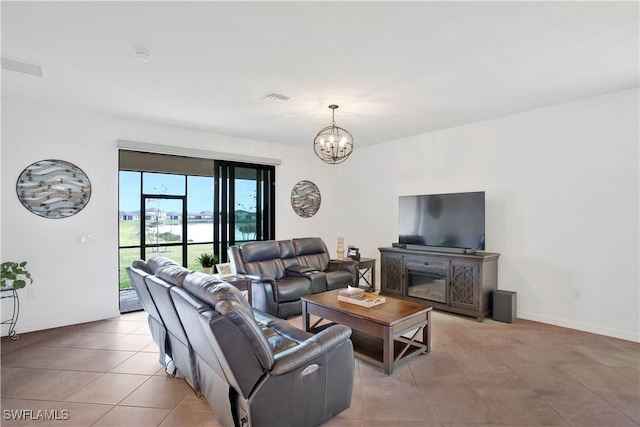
pixel 254 369
pixel 284 271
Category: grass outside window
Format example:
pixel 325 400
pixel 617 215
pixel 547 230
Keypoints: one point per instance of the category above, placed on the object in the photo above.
pixel 130 236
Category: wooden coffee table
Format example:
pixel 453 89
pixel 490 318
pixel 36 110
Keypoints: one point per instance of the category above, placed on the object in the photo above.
pixel 377 331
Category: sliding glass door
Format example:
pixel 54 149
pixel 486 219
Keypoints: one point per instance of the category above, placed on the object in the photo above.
pixel 246 198
pixel 192 207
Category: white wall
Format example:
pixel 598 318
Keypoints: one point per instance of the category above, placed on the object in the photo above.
pixel 562 191
pixel 562 204
pixel 79 282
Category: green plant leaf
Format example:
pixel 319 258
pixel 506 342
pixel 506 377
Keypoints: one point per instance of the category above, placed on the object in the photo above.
pixel 14 274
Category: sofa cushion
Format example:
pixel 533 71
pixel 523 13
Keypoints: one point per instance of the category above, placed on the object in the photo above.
pixel 262 258
pixel 243 319
pixel 293 288
pixel 312 252
pixel 339 279
pixel 160 292
pixel 172 274
pixel 189 310
pixel 282 327
pixel 228 301
pixel 287 250
pixel 154 263
pixel 309 245
pixel 137 275
pixel 260 251
pixel 141 265
pixel 287 254
pixel 271 268
pixel 277 342
pixel 319 261
pixel 205 288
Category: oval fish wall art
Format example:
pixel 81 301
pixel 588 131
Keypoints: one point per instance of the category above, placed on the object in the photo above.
pixel 53 188
pixel 305 199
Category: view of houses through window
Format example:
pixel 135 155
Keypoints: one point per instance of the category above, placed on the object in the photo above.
pixel 182 216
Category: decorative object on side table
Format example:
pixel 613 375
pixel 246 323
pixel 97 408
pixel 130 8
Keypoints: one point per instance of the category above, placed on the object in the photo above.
pixel 207 261
pixel 13 276
pixel 225 270
pixel 353 253
pixel 340 249
pixel 305 199
pixel 53 188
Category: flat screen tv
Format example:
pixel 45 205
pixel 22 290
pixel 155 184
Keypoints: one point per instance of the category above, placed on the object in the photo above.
pixel 442 221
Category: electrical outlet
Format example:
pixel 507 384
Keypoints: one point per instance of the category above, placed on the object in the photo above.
pixel 577 293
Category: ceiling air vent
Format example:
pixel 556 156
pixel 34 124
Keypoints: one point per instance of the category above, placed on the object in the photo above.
pixel 272 96
pixel 21 66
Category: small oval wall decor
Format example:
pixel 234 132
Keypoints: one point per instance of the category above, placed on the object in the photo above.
pixel 305 199
pixel 53 188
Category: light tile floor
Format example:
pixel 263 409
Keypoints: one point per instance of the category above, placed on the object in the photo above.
pixel 478 374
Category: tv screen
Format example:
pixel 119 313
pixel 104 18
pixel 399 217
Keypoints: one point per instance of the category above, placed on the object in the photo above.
pixel 442 220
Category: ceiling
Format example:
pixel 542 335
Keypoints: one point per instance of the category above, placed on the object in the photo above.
pixel 396 69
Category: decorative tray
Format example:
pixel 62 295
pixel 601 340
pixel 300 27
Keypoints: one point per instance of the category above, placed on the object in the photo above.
pixel 366 300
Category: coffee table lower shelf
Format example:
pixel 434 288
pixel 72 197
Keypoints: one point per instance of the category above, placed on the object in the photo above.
pixel 370 349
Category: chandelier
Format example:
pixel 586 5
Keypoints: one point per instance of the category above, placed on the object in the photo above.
pixel 333 144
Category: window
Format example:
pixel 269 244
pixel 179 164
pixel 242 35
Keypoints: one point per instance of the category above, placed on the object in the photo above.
pixel 191 207
pixel 246 199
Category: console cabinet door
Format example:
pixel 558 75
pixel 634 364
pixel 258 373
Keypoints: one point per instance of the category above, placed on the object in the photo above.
pixel 464 285
pixel 392 274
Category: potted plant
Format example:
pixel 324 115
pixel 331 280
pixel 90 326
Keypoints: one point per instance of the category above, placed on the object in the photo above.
pixel 14 275
pixel 207 261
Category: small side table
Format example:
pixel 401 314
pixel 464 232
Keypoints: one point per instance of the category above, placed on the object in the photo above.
pixel 11 293
pixel 367 265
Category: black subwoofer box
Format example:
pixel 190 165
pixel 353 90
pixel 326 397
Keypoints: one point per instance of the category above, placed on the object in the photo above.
pixel 504 306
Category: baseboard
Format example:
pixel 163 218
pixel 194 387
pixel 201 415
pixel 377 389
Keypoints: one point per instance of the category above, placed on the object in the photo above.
pixel 23 328
pixel 614 333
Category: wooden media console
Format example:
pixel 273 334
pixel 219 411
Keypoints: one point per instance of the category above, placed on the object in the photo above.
pixel 456 282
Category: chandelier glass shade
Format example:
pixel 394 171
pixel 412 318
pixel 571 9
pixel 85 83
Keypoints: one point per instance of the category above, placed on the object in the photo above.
pixel 333 144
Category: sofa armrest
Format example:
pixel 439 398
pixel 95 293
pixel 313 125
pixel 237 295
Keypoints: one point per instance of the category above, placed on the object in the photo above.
pixel 300 355
pixel 318 278
pixel 299 270
pixel 343 264
pixel 263 294
pixel 260 277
